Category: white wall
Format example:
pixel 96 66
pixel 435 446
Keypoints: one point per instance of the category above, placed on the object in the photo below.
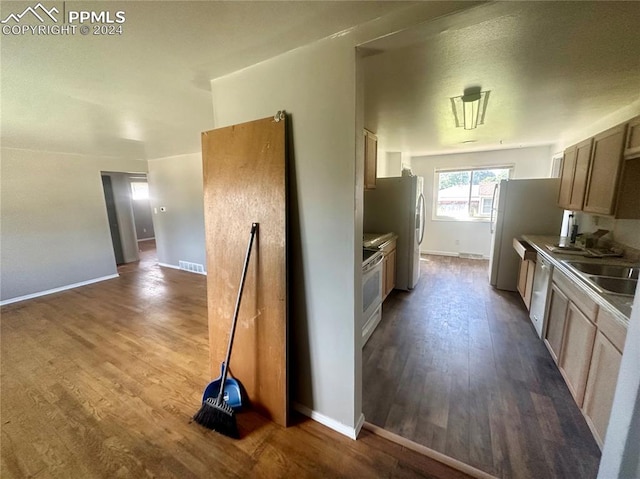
pixel 453 237
pixel 55 231
pixel 391 163
pixel 176 184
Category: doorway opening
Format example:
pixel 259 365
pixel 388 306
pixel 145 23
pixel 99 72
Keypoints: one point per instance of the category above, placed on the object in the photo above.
pixel 130 217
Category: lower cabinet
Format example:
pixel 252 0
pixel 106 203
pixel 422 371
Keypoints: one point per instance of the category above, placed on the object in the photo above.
pixel 556 317
pixel 586 342
pixel 575 355
pixel 525 280
pixel 527 270
pixel 389 272
pixel 603 375
pixel 388 267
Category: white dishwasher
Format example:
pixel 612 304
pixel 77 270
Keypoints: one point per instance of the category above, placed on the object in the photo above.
pixel 541 286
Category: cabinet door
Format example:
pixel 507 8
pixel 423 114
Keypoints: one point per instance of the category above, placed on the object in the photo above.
pixel 525 280
pixel 370 160
pixel 604 172
pixel 603 378
pixel 628 206
pixel 390 278
pixel 632 143
pixel 522 278
pixel 528 290
pixel 566 177
pixel 575 355
pixel 583 156
pixel 558 305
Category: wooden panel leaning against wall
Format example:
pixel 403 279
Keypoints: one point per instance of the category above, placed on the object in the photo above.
pixel 244 170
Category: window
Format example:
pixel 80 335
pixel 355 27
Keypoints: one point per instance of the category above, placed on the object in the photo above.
pixel 467 195
pixel 139 190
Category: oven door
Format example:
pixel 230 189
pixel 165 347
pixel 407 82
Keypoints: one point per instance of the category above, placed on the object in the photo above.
pixel 371 287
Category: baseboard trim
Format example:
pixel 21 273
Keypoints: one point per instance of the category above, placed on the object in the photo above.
pixel 57 290
pixel 350 432
pixel 173 266
pixel 425 451
pixel 449 253
pixel 438 253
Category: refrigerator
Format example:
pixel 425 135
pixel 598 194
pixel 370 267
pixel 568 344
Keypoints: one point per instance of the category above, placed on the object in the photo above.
pixel 520 207
pixel 397 206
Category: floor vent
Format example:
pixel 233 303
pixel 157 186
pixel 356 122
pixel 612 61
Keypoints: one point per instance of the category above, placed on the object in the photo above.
pixel 192 267
pixel 470 255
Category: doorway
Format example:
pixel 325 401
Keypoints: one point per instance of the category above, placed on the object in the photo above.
pixel 112 214
pixel 129 215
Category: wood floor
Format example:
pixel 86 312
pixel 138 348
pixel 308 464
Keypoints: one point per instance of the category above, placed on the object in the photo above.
pixel 102 381
pixel 456 366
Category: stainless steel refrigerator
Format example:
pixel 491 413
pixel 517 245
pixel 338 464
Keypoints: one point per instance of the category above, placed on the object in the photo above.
pixel 396 205
pixel 520 207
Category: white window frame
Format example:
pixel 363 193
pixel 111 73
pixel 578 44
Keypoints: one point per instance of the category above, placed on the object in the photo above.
pixel 471 219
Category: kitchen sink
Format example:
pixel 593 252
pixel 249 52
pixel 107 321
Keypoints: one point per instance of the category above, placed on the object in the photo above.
pixel 611 270
pixel 623 286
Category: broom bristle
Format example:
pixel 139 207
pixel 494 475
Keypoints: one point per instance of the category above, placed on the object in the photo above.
pixel 218 417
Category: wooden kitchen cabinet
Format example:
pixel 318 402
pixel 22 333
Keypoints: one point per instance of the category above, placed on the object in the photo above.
pixel 370 160
pixel 525 280
pixel 601 175
pixel 603 374
pixel 632 142
pixel 586 341
pixel 556 317
pixel 388 267
pixel 604 171
pixel 527 269
pixel 575 172
pixel 629 197
pixel 575 352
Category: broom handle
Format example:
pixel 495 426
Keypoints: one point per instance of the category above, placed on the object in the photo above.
pixel 254 229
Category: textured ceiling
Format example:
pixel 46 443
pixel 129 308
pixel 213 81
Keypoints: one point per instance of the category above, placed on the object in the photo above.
pixel 145 94
pixel 551 67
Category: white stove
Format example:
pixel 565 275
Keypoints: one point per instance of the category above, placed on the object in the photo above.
pixel 371 291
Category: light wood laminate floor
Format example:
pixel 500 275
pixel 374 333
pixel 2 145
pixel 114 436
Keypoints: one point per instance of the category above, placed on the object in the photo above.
pixel 456 366
pixel 101 382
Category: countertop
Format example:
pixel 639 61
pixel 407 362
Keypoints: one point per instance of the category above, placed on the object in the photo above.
pixel 375 240
pixel 618 306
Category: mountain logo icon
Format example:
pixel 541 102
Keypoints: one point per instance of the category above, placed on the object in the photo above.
pixel 34 11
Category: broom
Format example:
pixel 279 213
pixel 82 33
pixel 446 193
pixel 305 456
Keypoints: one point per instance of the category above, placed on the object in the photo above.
pixel 215 413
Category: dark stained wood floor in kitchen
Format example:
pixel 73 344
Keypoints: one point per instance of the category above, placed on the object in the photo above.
pixel 456 366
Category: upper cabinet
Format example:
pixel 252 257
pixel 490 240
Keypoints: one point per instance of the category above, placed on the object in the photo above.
pixel 575 171
pixel 601 175
pixel 604 171
pixel 632 144
pixel 370 159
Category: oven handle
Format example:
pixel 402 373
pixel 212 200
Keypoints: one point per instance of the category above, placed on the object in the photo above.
pixel 373 265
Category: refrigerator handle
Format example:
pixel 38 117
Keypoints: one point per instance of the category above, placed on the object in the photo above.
pixel 422 217
pixel 493 206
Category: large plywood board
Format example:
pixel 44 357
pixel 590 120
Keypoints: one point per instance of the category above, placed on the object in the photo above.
pixel 245 182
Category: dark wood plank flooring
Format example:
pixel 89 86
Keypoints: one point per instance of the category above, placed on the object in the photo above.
pixel 456 366
pixel 101 382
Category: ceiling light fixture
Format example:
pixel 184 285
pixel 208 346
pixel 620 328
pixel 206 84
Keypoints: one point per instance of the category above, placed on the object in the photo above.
pixel 469 109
